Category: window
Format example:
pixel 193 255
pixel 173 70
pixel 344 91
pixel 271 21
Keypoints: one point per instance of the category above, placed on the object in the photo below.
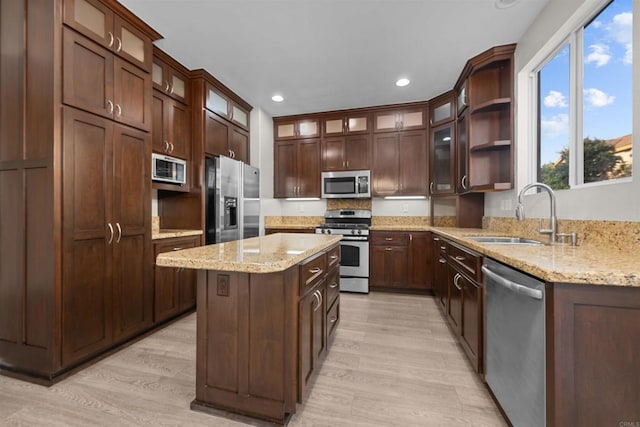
pixel 585 102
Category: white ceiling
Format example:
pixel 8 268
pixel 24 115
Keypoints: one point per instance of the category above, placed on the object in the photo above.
pixel 325 55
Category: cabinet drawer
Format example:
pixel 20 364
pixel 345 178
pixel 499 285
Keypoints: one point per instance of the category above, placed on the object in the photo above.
pixel 312 272
pixel 175 244
pixel 333 318
pixel 333 286
pixel 389 239
pixel 439 245
pixel 469 261
pixel 333 257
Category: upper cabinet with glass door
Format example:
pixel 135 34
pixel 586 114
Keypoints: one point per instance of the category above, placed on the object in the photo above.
pixel 441 109
pixel 296 129
pixel 100 23
pixel 226 107
pixel 399 119
pixel 350 124
pixel 169 79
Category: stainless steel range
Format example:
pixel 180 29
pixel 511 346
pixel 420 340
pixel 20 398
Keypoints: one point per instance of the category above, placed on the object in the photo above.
pixel 353 225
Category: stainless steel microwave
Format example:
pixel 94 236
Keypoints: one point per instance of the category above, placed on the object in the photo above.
pixel 346 184
pixel 168 169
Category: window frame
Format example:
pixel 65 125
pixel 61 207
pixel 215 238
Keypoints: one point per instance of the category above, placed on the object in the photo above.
pixel 575 40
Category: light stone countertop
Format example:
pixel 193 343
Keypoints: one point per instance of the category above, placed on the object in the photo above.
pixel 401 227
pixel 290 227
pixel 171 233
pixel 265 254
pixel 588 264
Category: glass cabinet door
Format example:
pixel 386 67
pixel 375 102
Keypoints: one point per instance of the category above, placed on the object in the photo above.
pixel 442 160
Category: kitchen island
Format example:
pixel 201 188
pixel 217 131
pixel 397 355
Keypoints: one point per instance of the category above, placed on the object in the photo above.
pixel 267 309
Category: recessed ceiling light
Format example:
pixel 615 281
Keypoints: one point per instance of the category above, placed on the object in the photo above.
pixel 277 98
pixel 503 4
pixel 402 82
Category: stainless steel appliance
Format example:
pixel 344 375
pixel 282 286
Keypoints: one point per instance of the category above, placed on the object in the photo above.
pixel 346 184
pixel 515 343
pixel 168 169
pixel 232 200
pixel 353 225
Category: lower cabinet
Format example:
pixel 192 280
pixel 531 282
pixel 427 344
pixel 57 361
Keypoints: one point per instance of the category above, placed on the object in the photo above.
pixel 457 285
pixel 175 288
pixel 262 337
pixel 400 261
pixel 310 230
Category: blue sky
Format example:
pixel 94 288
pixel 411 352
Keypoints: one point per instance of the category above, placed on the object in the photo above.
pixel 607 83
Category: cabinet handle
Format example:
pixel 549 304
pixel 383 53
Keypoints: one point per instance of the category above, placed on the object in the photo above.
pixel 455 281
pixel 111 40
pixel 315 270
pixel 442 261
pixel 431 187
pixel 171 144
pixel 347 163
pixel 166 86
pixel 119 232
pixel 388 249
pixel 233 154
pixel 388 239
pixel 333 285
pixel 333 257
pixel 118 110
pixel 166 146
pixel 460 258
pixel 411 237
pixel 178 249
pixel 443 247
pixel 436 239
pixel 109 107
pixel 333 319
pixel 463 182
pixel 316 294
pixel 430 122
pixel 111 233
pixel 170 89
pixel 119 44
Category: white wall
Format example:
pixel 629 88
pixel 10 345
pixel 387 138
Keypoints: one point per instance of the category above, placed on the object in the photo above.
pixel 610 201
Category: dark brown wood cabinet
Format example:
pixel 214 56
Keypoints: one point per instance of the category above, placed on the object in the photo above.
pixel 399 261
pixel 171 130
pixel 223 138
pixel 175 288
pixel 100 83
pixel 74 183
pixel 399 119
pixel 346 153
pixel 296 128
pixel 400 164
pixel 168 79
pixel 298 170
pixel 443 159
pixel 100 22
pixel 106 234
pixel 458 288
pixel 312 335
pixel 442 109
pixel 221 103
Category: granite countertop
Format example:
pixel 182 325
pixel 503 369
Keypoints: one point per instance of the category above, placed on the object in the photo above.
pixel 266 254
pixel 401 227
pixel 290 227
pixel 170 233
pixel 588 264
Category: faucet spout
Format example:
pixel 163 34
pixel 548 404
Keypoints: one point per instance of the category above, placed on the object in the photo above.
pixel 553 220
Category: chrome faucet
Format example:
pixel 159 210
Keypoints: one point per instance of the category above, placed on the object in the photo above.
pixel 553 220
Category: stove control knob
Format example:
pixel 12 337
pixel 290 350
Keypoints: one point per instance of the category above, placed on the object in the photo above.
pixel 328 231
pixel 359 231
pixel 353 231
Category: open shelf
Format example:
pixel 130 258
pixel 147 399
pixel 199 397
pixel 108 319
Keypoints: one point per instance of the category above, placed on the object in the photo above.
pixel 491 105
pixel 491 145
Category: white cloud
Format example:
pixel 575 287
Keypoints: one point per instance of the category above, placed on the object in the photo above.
pixel 620 29
pixel 599 54
pixel 628 54
pixel 597 98
pixel 597 24
pixel 556 125
pixel 555 99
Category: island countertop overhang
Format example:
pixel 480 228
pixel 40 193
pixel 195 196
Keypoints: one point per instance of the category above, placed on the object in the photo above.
pixel 265 254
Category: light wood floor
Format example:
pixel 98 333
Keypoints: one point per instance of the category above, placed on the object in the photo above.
pixel 393 362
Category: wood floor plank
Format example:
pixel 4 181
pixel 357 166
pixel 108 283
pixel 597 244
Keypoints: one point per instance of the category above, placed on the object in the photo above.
pixel 393 362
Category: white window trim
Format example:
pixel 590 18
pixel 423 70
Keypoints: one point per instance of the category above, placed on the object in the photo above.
pixel 569 33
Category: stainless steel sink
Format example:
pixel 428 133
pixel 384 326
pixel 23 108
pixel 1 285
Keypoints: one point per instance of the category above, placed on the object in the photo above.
pixel 505 240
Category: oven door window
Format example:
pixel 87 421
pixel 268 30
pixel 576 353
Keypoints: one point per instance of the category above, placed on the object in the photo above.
pixel 345 185
pixel 350 255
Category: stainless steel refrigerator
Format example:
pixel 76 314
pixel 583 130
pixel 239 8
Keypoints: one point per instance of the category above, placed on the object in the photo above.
pixel 233 200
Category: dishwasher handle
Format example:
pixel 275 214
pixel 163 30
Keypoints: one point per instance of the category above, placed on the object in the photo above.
pixel 523 290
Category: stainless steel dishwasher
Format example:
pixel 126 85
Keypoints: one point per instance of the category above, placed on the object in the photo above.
pixel 515 343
